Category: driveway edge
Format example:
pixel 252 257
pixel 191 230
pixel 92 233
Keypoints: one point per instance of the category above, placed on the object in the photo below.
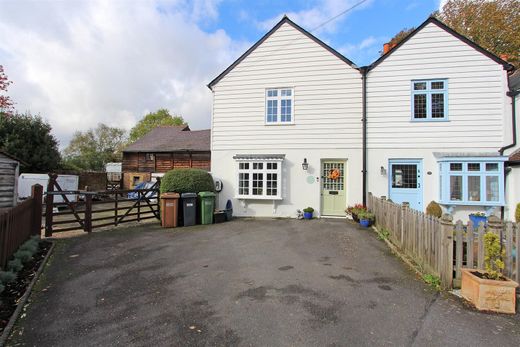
pixel 25 297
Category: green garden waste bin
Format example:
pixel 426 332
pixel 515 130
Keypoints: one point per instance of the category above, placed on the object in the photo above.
pixel 207 206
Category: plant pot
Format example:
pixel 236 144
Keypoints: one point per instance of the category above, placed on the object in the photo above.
pixel 355 218
pixel 477 219
pixel 488 295
pixel 365 223
pixel 307 215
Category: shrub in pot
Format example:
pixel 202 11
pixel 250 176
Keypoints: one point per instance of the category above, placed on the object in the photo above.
pixel 366 218
pixel 434 209
pixel 355 211
pixel 517 213
pixel 489 289
pixel 307 212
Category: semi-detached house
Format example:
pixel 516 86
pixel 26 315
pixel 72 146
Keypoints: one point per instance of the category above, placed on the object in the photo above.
pixel 297 124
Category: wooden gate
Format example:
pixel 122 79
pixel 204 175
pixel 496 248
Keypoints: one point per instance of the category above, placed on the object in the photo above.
pixel 87 210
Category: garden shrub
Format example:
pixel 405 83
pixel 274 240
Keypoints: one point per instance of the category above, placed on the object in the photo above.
pixel 24 255
pixel 14 265
pixel 517 213
pixel 434 209
pixel 6 277
pixel 493 254
pixel 187 181
pixel 30 245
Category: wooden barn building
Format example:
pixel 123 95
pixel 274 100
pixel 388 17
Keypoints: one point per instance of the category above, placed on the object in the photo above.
pixel 163 149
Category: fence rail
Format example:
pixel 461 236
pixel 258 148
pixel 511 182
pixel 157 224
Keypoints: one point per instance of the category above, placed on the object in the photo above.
pixel 442 247
pixel 19 223
pixel 114 208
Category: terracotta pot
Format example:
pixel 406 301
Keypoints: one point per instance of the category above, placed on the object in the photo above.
pixel 488 295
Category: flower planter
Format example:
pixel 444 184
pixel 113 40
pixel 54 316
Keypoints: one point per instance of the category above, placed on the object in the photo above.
pixel 365 223
pixel 355 218
pixel 488 295
pixel 476 220
pixel 307 215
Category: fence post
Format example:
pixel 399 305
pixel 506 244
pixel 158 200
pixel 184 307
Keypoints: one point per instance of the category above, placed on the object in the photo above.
pixel 404 207
pixel 37 196
pixel 446 251
pixel 495 225
pixel 87 224
pixel 49 202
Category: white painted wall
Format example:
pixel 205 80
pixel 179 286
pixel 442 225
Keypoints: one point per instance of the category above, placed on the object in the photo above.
pixel 513 177
pixel 478 108
pixel 297 192
pixel 327 121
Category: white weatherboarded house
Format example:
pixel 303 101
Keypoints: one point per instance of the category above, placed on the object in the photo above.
pixel 439 118
pixel 289 100
pixel 428 121
pixel 9 171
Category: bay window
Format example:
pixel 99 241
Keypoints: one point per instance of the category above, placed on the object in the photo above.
pixel 472 181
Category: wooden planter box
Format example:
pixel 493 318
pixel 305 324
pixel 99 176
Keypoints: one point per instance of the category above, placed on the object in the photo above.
pixel 489 295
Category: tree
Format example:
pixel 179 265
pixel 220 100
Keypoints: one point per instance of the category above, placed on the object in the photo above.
pixel 6 104
pixel 92 149
pixel 494 25
pixel 29 139
pixel 153 120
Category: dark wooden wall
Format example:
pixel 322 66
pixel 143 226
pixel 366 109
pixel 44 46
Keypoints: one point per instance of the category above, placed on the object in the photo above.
pixel 162 162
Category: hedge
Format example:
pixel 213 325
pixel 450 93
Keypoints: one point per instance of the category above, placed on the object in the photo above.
pixel 187 181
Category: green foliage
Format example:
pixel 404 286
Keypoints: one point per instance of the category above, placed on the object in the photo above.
pixel 517 213
pixel 24 255
pixel 308 209
pixel 161 117
pixel 15 265
pixel 383 234
pixel 434 209
pixel 29 139
pixel 31 245
pixel 92 149
pixel 493 254
pixel 433 281
pixel 187 181
pixel 7 276
pixel 400 36
pixel 356 209
pixel 367 215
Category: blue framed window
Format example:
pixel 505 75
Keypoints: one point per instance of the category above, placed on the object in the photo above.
pixel 279 106
pixel 430 100
pixel 472 181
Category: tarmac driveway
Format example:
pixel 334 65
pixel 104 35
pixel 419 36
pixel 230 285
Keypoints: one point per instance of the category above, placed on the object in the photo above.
pixel 245 283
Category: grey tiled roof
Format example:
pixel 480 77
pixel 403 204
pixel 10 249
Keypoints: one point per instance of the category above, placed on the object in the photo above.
pixel 172 139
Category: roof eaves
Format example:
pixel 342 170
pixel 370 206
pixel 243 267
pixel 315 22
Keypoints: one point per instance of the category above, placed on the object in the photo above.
pixel 449 30
pixel 284 20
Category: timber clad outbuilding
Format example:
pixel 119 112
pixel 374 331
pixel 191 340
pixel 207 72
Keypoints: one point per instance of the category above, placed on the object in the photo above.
pixel 9 171
pixel 165 148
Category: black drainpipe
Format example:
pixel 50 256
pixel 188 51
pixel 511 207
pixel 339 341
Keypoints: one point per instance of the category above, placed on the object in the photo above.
pixel 364 72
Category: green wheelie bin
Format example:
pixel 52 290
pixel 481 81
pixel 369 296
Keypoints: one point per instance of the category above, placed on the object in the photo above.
pixel 207 207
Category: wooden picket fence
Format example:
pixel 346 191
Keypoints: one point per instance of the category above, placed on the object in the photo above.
pixel 441 247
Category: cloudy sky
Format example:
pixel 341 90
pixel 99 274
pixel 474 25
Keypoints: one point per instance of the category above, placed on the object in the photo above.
pixel 81 62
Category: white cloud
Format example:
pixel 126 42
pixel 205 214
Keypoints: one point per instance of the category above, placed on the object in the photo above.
pixel 78 63
pixel 317 14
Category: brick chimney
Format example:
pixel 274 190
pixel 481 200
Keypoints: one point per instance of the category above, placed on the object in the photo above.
pixel 388 46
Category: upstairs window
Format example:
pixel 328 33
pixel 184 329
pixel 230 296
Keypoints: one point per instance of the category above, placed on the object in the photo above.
pixel 430 100
pixel 279 106
pixel 472 181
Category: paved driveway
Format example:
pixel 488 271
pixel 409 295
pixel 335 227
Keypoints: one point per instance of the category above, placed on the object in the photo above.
pixel 245 283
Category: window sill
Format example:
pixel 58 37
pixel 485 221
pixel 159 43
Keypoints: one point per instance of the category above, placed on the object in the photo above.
pixel 242 197
pixel 473 203
pixel 428 120
pixel 279 124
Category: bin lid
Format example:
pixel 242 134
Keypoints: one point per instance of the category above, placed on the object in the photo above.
pixel 170 195
pixel 206 194
pixel 189 195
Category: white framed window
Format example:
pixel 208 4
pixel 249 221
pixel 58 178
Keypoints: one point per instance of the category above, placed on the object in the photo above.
pixel 430 100
pixel 472 181
pixel 259 178
pixel 279 106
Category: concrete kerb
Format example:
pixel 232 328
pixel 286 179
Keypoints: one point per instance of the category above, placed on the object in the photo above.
pixel 25 297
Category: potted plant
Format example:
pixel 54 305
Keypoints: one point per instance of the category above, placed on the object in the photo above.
pixel 355 211
pixel 366 218
pixel 489 289
pixel 476 218
pixel 307 212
